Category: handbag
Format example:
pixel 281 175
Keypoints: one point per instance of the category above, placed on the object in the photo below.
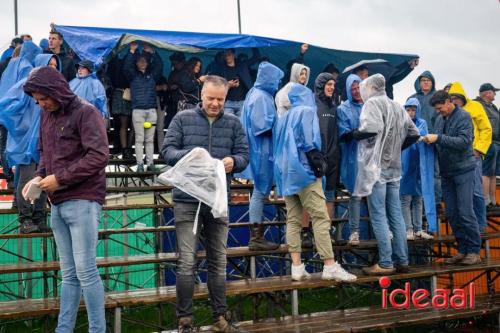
pixel 183 103
pixel 127 96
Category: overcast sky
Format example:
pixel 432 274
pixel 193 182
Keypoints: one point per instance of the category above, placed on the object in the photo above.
pixel 457 40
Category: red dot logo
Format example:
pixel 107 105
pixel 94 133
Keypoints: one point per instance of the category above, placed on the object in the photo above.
pixel 384 282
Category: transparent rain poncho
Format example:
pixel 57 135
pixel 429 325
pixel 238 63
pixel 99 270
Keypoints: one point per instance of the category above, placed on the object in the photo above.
pixel 390 121
pixel 202 177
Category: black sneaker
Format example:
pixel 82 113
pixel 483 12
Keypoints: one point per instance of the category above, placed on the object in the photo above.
pixel 28 227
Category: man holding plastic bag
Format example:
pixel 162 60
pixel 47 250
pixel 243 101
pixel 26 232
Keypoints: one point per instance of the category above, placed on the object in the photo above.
pixel 198 205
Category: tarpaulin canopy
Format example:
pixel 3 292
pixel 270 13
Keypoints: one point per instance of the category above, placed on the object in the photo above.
pixel 97 44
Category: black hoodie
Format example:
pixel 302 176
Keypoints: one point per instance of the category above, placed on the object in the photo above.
pixel 327 115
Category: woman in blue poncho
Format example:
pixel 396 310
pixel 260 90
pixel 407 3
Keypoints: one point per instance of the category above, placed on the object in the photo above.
pixel 87 86
pixel 417 182
pixel 21 116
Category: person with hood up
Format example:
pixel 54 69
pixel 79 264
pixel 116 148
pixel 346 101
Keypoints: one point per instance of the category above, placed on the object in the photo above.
pixel 417 182
pixel 385 129
pixel 87 86
pixel 21 116
pixel 491 164
pixel 299 166
pixel 453 141
pixel 425 87
pixel 299 74
pixel 482 141
pixel 348 121
pixel 258 118
pixel 324 86
pixel 17 69
pixel 74 153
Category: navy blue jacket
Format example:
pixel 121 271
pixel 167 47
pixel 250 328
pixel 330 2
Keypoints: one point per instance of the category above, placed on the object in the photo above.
pixel 143 85
pixel 243 69
pixel 454 144
pixel 225 137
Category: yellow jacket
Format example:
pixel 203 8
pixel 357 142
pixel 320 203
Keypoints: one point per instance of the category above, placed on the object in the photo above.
pixel 482 126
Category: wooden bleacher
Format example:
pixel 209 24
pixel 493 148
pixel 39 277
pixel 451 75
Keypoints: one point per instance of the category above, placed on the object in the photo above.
pixel 347 320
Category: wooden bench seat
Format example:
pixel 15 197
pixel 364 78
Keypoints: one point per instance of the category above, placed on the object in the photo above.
pixel 367 318
pixel 233 252
pixel 166 294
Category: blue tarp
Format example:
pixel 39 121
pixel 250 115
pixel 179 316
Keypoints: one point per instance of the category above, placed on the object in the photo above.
pixel 96 44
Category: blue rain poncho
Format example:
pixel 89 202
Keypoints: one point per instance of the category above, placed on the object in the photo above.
pixel 347 121
pixel 417 163
pixel 20 67
pixel 91 89
pixel 21 116
pixel 296 133
pixel 258 118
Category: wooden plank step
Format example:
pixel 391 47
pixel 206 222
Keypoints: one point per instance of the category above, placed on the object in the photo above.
pixel 37 307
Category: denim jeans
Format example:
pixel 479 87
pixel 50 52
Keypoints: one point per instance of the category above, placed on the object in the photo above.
pixel 385 214
pixel 233 107
pixel 75 225
pixel 457 194
pixel 214 232
pixel 144 136
pixel 354 213
pixel 256 207
pixel 411 207
pixel 437 180
pixel 478 196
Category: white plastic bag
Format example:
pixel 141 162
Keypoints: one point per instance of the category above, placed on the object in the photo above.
pixel 202 177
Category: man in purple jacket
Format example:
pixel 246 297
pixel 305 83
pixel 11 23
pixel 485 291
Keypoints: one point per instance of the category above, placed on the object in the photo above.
pixel 73 155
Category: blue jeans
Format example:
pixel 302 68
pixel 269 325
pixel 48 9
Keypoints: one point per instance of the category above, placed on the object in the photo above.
pixel 233 107
pixel 256 207
pixel 385 213
pixel 75 225
pixel 214 232
pixel 457 194
pixel 411 207
pixel 478 198
pixel 354 213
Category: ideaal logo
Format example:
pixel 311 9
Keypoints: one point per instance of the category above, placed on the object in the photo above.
pixel 440 300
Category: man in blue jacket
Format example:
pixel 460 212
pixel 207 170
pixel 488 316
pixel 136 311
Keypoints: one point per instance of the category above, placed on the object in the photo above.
pixel 258 119
pixel 453 139
pixel 221 134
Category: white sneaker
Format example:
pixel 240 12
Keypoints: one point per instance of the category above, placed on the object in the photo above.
pixel 354 238
pixel 423 234
pixel 410 235
pixel 337 273
pixel 299 273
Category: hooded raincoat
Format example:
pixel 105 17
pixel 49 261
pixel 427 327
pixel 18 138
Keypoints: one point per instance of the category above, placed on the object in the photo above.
pixel 482 126
pixel 91 89
pixel 348 121
pixel 417 163
pixel 73 142
pixel 379 157
pixel 282 101
pixel 20 67
pixel 428 113
pixel 258 118
pixel 327 117
pixel 21 116
pixel 295 134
